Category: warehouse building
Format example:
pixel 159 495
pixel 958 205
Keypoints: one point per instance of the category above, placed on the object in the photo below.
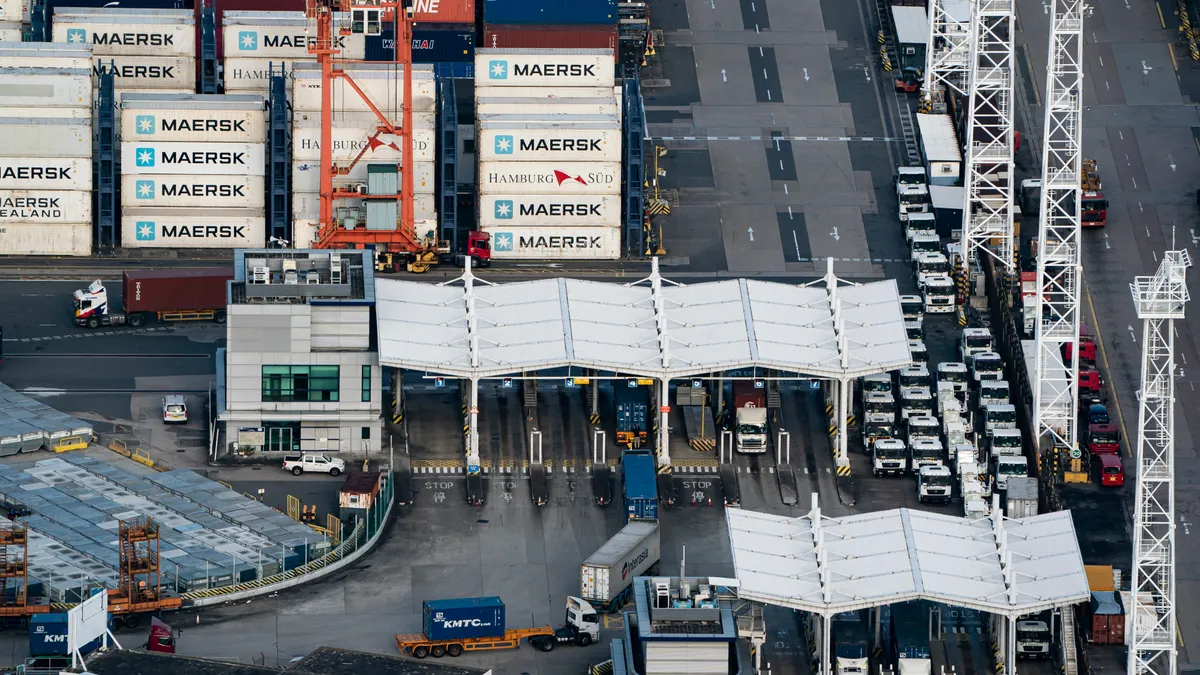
pixel 300 371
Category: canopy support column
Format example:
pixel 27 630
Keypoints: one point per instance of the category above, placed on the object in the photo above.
pixel 664 438
pixel 843 455
pixel 473 435
pixel 826 639
pixel 1010 646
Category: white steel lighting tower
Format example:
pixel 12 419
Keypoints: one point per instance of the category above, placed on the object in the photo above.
pixel 1060 263
pixel 1160 300
pixel 947 55
pixel 988 212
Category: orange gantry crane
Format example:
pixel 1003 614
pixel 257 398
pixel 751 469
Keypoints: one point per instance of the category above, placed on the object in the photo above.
pixel 140 586
pixel 14 572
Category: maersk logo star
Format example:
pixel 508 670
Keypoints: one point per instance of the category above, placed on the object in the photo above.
pixel 144 189
pixel 76 36
pixel 498 70
pixel 145 230
pixel 504 209
pixel 247 41
pixel 144 124
pixel 504 145
pixel 504 241
pixel 145 157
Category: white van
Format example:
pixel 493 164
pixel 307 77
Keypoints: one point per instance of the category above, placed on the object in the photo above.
pixel 174 409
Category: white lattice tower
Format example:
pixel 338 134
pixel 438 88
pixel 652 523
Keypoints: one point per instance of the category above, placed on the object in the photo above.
pixel 1060 263
pixel 1160 300
pixel 947 55
pixel 988 213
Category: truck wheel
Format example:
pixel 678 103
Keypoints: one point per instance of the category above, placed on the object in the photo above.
pixel 437 651
pixel 93 322
pixel 334 472
pixel 546 644
pixel 454 650
pixel 219 316
pixel 584 640
pixel 420 652
pixel 296 471
pixel 132 620
pixel 136 320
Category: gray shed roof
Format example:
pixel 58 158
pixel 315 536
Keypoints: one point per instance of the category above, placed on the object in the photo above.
pixel 654 328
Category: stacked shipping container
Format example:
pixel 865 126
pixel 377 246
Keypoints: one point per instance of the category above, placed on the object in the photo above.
pixel 550 24
pixel 443 31
pixel 371 159
pixel 549 171
pixel 192 171
pixel 46 156
pixel 12 14
pixel 256 42
pixel 147 49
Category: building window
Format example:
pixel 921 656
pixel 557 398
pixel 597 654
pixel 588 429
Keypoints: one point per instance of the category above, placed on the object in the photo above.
pixel 298 384
pixel 366 433
pixel 282 436
pixel 366 384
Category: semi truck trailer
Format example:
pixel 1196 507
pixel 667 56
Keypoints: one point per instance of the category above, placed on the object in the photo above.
pixel 183 294
pixel 640 486
pixel 606 577
pixel 452 627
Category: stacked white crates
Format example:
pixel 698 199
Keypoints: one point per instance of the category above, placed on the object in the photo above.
pixel 192 171
pixel 46 154
pixel 353 126
pixel 548 140
pixel 147 49
pixel 254 43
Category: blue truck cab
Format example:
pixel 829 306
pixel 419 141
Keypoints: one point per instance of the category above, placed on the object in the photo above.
pixel 641 490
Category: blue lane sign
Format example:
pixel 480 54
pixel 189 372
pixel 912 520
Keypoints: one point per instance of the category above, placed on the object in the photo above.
pixel 439 381
pixel 508 383
pixel 570 382
pixel 696 384
pixel 472 468
pixel 759 384
pixel 814 384
pixel 632 384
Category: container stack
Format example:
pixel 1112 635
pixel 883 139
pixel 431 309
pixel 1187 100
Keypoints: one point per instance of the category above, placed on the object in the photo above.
pixel 147 49
pixel 256 42
pixel 354 126
pixel 550 24
pixel 549 177
pixel 192 171
pixel 442 32
pixel 46 156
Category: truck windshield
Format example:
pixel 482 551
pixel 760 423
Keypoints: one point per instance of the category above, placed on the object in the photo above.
pixel 873 386
pixel 751 429
pixel 915 178
pixel 1112 470
pixel 979 342
pixel 954 376
pixel 938 481
pixel 930 245
pixel 880 406
pixel 911 197
pixel 932 266
pixel 911 379
pixel 1006 441
pixel 851 650
pixel 1012 469
pixel 928 453
pixel 875 430
pixel 889 451
pixel 1105 437
pixel 1001 416
pixel 1093 204
pixel 988 365
pixel 1033 635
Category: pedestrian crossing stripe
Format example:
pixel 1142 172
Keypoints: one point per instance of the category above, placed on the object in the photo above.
pixel 690 468
pixel 484 469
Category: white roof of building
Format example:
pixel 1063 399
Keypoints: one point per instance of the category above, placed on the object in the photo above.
pixel 912 24
pixel 1013 567
pixel 938 139
pixel 654 328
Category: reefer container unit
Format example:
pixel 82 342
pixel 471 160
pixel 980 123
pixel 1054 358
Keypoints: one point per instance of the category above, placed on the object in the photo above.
pixel 14 11
pixel 216 192
pixel 220 7
pixel 280 35
pixel 305 176
pixel 10 32
pixel 253 75
pixel 641 490
pixel 495 105
pixel 37 87
pixel 550 12
pixel 113 31
pixel 45 173
pixel 48 636
pixel 45 55
pixel 443 43
pixel 45 206
pixel 548 94
pixel 550 37
pixel 173 290
pixel 230 118
pixel 444 11
pixel 185 228
pixel 383 82
pixel 544 178
pixel 555 243
pixel 143 7
pixel 1021 497
pixel 193 159
pixel 51 138
pixel 553 210
pixel 358 120
pixel 307 206
pixel 43 239
pixel 463 618
pixel 606 577
pixel 348 143
pixel 544 67
pixel 578 138
pixel 149 73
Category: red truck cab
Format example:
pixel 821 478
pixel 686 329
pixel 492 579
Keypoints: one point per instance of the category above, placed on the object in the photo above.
pixel 1103 439
pixel 1087 351
pixel 1091 386
pixel 162 638
pixel 1112 471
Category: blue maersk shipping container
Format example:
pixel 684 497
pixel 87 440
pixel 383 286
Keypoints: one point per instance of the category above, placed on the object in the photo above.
pixel 431 43
pixel 550 12
pixel 641 490
pixel 463 618
pixel 48 636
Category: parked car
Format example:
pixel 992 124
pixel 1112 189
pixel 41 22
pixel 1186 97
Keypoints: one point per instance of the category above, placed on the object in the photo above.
pixel 1098 414
pixel 174 409
pixel 299 464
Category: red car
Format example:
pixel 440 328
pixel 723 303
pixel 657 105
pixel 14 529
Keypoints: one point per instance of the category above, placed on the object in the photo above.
pixel 1112 472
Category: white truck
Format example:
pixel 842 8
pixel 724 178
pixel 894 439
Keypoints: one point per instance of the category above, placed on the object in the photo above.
pixel 915 376
pixel 974 341
pixel 930 265
pixel 999 416
pixel 606 577
pixel 918 351
pixel 1005 467
pixel 987 366
pixel 935 483
pixel 954 374
pixel 992 392
pixel 889 456
pixel 922 428
pixel 752 430
pixel 913 307
pixel 912 191
pixel 924 243
pixel 919 224
pixel 939 292
pixel 1004 443
pixel 915 401
pixel 879 408
pixel 299 464
pixel 926 453
pixel 1034 637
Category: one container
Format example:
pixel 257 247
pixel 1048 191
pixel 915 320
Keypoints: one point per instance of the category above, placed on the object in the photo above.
pixel 641 489
pixel 443 43
pixel 280 35
pixel 444 11
pixel 253 75
pixel 382 82
pixel 38 173
pixel 546 94
pixel 1100 577
pixel 555 243
pixel 307 206
pixel 544 67
pixel 74 239
pixel 185 228
pixel 746 395
pixel 495 105
pixel 351 143
pixel 144 7
pixel 545 178
pixel 45 55
pixel 550 37
pixel 305 176
pixel 57 138
pixel 218 192
pixel 198 288
pixel 10 32
pixel 1021 498
pixel 38 87
pixel 550 12
pixel 220 7
pixel 463 618
pixel 13 11
pixel 45 206
pixel 608 572
pixel 173 73
pixel 193 117
pixel 578 138
pixel 128 32
pixel 198 159
pixel 48 636
pixel 1107 619
pixel 539 210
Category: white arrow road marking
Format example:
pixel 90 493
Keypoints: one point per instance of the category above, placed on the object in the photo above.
pixel 750 231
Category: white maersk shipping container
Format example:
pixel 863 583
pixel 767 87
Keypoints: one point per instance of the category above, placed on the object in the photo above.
pixel 45 55
pixel 306 179
pixel 43 239
pixel 544 94
pixel 382 82
pixel 37 87
pixel 38 173
pixel 49 113
pixel 570 141
pixel 193 117
pixel 304 231
pixel 151 73
pixel 543 68
pixel 555 243
pixel 194 159
pixel 279 35
pixel 359 120
pixel 219 192
pixel 33 137
pixel 45 206
pixel 252 75
pixel 528 210
pixel 508 105
pixel 348 143
pixel 128 32
pixel 10 32
pixel 307 206
pixel 184 228
pixel 14 11
pixel 549 178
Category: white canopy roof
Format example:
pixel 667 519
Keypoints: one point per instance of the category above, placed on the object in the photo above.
pixel 830 565
pixel 652 328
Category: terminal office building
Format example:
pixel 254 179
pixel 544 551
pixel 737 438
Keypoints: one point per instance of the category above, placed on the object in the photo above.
pixel 300 370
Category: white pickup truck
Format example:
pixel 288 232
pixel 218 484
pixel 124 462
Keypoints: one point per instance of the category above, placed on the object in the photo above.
pixel 299 464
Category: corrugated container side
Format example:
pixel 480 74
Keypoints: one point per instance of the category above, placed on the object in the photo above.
pixel 549 210
pixel 41 239
pixel 175 73
pixel 49 113
pixel 161 290
pixel 48 88
pixel 253 75
pixel 384 87
pixel 10 32
pixel 358 120
pixel 307 206
pixel 267 41
pixel 463 618
pixel 609 571
pixel 549 94
pixel 45 206
pixel 544 178
pixel 546 108
pixel 164 228
pixel 443 43
pixel 200 159
pixel 549 142
pixel 37 173
pixel 13 11
pixel 444 11
pixel 555 243
pixel 550 12
pixel 135 38
pixel 306 179
pixel 56 138
pixel 221 6
pixel 48 635
pixel 221 192
pixel 550 37
pixel 544 67
pixel 225 126
pixel 348 143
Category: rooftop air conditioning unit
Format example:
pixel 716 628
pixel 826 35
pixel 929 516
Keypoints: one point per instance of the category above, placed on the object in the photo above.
pixel 261 275
pixel 289 272
pixel 312 277
pixel 360 188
